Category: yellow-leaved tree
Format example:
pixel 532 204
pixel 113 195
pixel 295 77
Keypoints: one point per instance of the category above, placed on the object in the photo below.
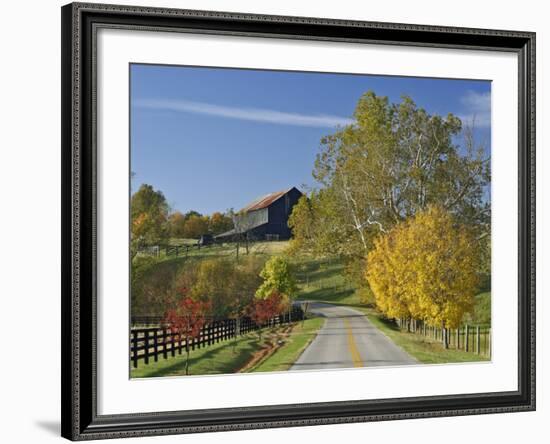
pixel 425 268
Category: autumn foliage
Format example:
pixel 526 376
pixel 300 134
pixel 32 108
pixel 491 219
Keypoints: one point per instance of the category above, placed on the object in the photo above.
pixel 186 319
pixel 425 268
pixel 263 309
pixel 188 316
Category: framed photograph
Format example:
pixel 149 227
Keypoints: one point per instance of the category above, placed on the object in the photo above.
pixel 282 221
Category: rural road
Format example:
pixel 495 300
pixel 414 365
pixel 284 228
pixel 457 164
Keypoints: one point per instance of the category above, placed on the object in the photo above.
pixel 348 339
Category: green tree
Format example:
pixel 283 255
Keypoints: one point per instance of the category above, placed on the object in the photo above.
pixel 278 279
pixel 210 286
pixel 219 223
pixel 392 162
pixel 313 226
pixel 226 285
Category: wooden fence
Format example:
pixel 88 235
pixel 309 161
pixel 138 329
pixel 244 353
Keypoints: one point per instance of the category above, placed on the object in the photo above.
pixel 148 344
pixel 174 250
pixel 475 339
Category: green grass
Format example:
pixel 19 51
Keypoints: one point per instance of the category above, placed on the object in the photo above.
pixel 216 359
pixel 323 280
pixel 425 349
pixel 319 280
pixel 294 345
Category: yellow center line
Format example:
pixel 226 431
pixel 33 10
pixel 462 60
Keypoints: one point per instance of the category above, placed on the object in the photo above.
pixel 355 356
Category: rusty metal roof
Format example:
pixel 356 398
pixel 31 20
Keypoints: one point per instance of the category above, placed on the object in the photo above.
pixel 265 201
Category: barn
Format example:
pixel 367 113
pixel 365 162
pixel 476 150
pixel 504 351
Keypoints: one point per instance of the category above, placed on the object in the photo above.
pixel 265 218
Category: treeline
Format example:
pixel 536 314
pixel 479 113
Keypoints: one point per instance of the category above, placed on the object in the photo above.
pixel 192 224
pixel 153 222
pixel 228 288
pixel 401 201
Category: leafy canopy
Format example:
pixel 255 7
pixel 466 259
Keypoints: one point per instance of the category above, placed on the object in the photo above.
pixel 278 278
pixel 149 217
pixel 425 268
pixel 392 162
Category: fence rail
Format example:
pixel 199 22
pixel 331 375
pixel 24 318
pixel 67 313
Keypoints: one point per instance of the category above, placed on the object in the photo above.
pixel 469 338
pixel 148 344
pixel 174 250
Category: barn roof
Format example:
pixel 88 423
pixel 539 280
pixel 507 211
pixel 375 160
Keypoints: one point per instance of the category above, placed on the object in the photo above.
pixel 265 201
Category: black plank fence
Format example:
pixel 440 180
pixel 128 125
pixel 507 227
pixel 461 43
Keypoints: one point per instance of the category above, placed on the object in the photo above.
pixel 149 343
pixel 469 338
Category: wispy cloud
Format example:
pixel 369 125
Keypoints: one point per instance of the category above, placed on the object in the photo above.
pixel 477 109
pixel 243 113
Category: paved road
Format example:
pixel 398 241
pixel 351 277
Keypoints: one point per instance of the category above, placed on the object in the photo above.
pixel 348 339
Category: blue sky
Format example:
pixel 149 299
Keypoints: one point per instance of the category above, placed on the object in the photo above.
pixel 213 138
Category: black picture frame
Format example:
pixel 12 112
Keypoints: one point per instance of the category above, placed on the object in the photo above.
pixel 80 420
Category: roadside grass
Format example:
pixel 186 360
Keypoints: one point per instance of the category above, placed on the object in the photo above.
pixel 323 280
pixel 294 344
pixel 425 349
pixel 216 359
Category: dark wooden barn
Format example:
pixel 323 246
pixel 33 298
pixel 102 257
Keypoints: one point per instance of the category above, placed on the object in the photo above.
pixel 265 218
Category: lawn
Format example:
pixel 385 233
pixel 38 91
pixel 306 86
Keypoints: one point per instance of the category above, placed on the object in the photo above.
pixel 217 359
pixel 425 349
pixel 323 280
pixel 293 345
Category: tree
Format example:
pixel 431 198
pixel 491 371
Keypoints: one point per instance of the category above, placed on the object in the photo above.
pixel 227 286
pixel 263 310
pixel 313 228
pixel 242 225
pixel 220 223
pixel 176 223
pixel 278 278
pixel 211 282
pixel 195 226
pixel 242 287
pixel 186 320
pixel 192 213
pixel 426 268
pixel 149 217
pixel 393 161
pixel 152 286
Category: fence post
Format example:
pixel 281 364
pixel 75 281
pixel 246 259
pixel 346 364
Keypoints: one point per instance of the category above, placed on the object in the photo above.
pixel 155 345
pixel 477 340
pixel 164 348
pixel 172 343
pixel 146 346
pixel 133 346
pixel 467 337
pixel 457 338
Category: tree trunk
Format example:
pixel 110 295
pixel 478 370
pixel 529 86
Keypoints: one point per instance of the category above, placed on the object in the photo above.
pixel 187 356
